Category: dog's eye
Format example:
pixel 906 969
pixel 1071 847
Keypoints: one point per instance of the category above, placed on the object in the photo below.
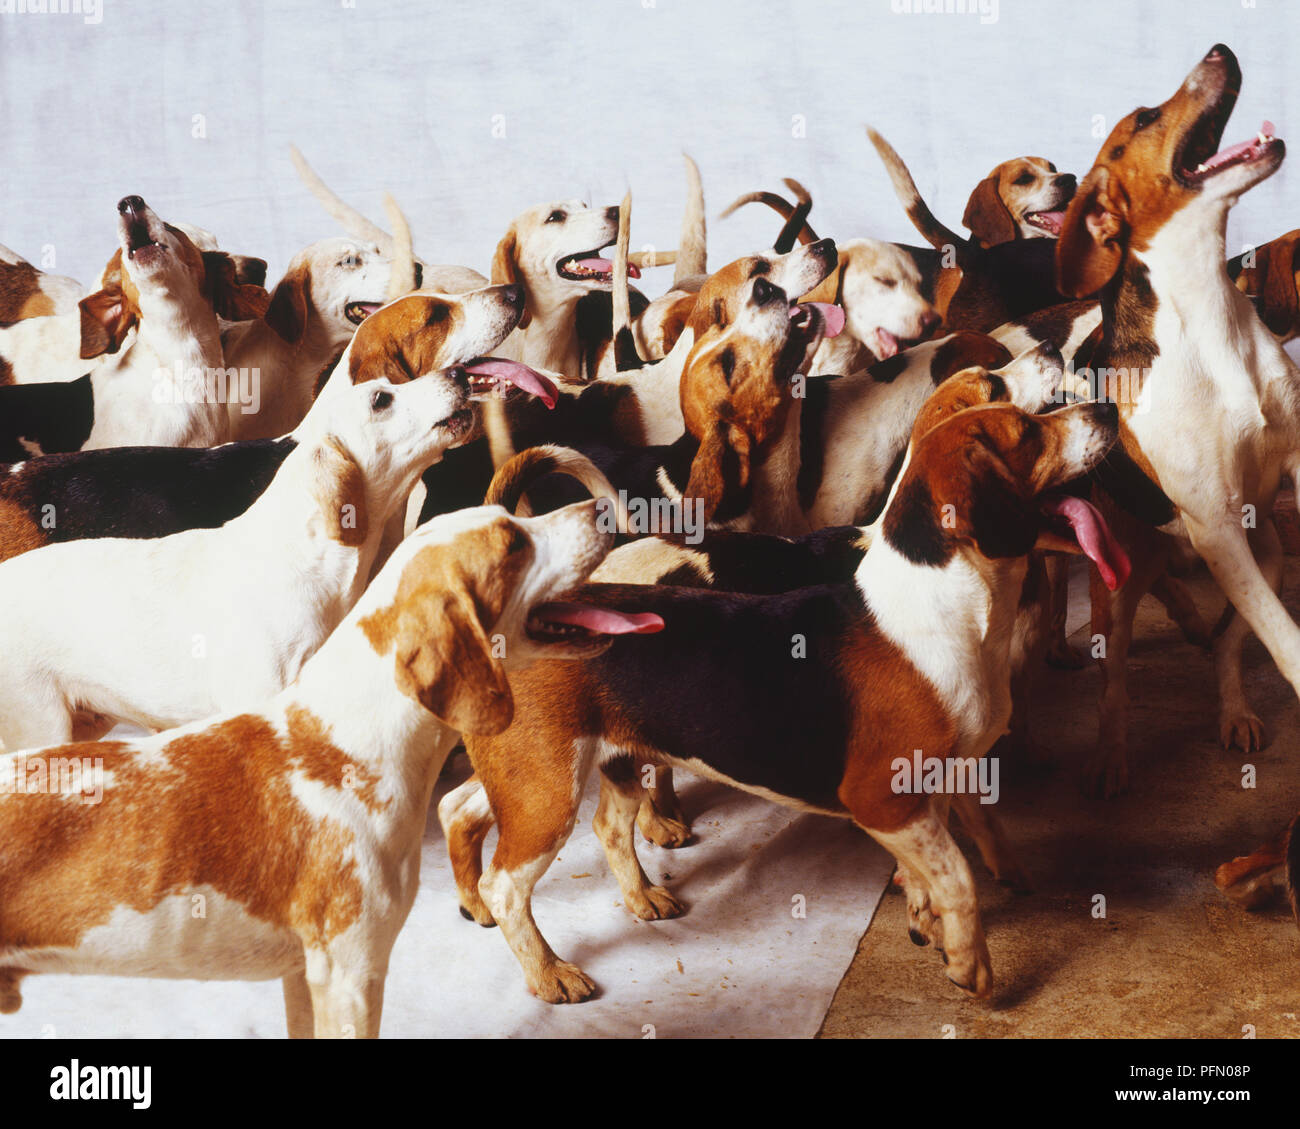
pixel 763 291
pixel 380 399
pixel 727 362
pixel 887 283
pixel 350 262
pixel 1024 178
pixel 1146 117
pixel 557 216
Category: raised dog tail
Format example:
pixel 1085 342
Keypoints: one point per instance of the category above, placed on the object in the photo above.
pixel 934 233
pixel 626 354
pixel 512 480
pixel 692 243
pixel 783 208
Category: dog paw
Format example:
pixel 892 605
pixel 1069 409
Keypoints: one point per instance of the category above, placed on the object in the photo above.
pixel 477 911
pixel 973 974
pixel 654 903
pixel 663 830
pixel 1241 730
pixel 563 983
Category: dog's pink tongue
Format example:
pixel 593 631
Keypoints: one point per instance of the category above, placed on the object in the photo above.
pixel 832 316
pixel 887 344
pixel 1094 537
pixel 1051 221
pixel 601 621
pixel 606 267
pixel 521 376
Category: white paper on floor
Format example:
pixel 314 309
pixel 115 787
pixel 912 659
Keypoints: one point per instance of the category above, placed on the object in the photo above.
pixel 738 963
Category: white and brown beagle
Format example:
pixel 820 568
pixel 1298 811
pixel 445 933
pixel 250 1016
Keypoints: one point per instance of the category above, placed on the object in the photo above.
pixel 284 843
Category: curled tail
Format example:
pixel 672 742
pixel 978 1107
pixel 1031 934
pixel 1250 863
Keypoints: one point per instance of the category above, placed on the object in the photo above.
pixel 512 480
pixel 782 207
pixel 934 233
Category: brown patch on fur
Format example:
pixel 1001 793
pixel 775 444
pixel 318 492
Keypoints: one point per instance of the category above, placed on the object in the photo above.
pixel 6 372
pixel 506 272
pixel 20 532
pixel 339 488
pixel 987 216
pixel 20 293
pixel 966 350
pixel 207 818
pixel 108 314
pixel 1273 283
pixel 286 313
pixel 436 627
pixel 404 340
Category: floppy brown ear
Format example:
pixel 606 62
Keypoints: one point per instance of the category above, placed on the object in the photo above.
pixel 445 662
pixel 1091 244
pixel 286 312
pixel 339 487
pixel 1278 305
pixel 720 469
pixel 987 215
pixel 1001 524
pixel 106 318
pixel 231 299
pixel 249 270
pixel 505 268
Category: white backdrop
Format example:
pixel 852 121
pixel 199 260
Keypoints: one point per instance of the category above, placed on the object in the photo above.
pixel 594 96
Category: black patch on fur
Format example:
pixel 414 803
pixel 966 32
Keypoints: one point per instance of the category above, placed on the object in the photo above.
pixel 594 324
pixel 912 526
pixel 56 415
pixel 1132 488
pixel 887 371
pixel 876 505
pixel 812 441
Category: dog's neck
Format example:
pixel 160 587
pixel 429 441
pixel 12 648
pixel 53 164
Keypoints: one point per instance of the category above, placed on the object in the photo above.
pixel 954 622
pixel 774 489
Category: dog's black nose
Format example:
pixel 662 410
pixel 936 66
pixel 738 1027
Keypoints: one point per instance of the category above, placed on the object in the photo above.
pixel 514 294
pixel 130 204
pixel 1066 180
pixel 1218 51
pixel 419 275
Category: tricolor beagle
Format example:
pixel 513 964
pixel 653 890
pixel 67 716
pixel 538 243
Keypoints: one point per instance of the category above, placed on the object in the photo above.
pixel 295 828
pixel 1205 391
pixel 912 654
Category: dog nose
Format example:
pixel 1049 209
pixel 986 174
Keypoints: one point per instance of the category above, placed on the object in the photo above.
pixel 825 249
pixel 514 294
pixel 612 212
pixel 130 205
pixel 930 321
pixel 419 275
pixel 1218 51
pixel 459 379
pixel 1066 180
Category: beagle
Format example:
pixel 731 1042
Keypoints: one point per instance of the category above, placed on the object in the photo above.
pixel 163 631
pixel 974 287
pixel 151 329
pixel 296 828
pixel 26 292
pixel 553 252
pixel 156 491
pixel 1024 198
pixel 1205 390
pixel 329 289
pixel 912 654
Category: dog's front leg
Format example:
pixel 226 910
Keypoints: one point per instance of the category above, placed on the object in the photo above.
pixel 346 998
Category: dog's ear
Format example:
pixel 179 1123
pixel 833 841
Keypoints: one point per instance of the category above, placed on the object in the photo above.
pixel 987 215
pixel 505 269
pixel 1091 244
pixel 249 271
pixel 286 312
pixel 231 299
pixel 720 469
pixel 999 518
pixel 445 662
pixel 106 318
pixel 339 487
pixel 1277 302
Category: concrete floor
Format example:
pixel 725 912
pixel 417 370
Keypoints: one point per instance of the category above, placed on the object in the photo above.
pixel 1172 957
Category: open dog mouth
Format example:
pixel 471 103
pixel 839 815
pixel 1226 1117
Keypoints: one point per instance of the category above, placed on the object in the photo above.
pixel 1049 222
pixel 458 423
pixel 1199 162
pixel 141 247
pixel 490 376
pixel 357 312
pixel 1080 528
pixel 589 266
pixel 563 622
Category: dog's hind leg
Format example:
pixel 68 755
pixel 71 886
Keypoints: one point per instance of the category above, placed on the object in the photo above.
pixel 660 817
pixel 466 818
pixel 297 1006
pixel 615 824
